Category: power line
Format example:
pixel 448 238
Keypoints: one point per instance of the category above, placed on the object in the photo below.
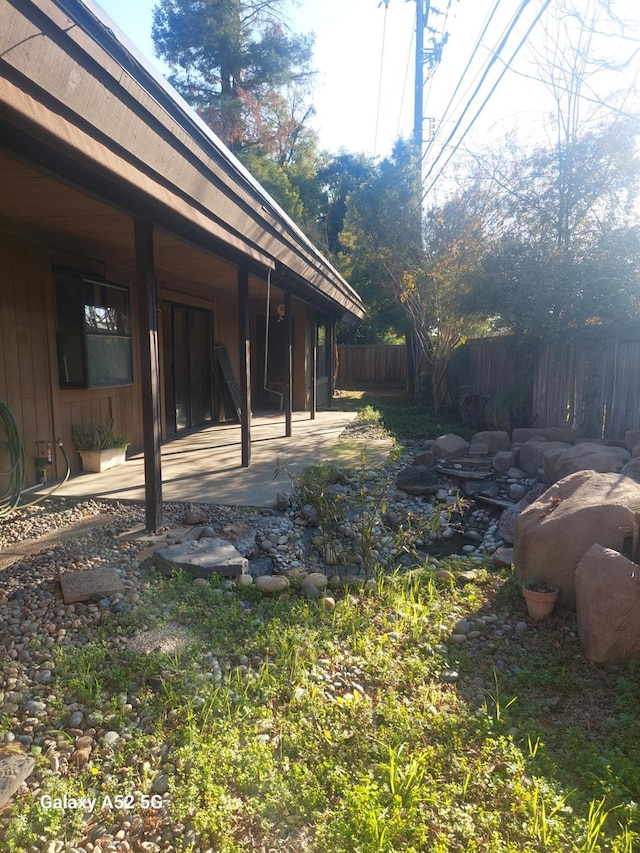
pixel 467 67
pixel 507 66
pixel 406 75
pixel 382 53
pixel 492 60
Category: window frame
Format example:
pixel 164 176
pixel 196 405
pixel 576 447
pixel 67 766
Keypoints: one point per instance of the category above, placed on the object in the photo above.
pixel 81 342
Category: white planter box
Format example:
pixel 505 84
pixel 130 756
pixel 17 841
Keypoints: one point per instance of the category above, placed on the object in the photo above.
pixel 100 460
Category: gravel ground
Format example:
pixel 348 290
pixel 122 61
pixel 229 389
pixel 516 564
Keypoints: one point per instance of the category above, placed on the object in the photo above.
pixel 38 543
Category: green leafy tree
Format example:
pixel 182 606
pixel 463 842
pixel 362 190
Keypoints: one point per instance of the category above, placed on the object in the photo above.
pixel 233 61
pixel 564 251
pixel 412 274
pixel 380 240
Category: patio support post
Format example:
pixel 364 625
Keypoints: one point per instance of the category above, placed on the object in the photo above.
pixel 331 358
pixel 314 362
pixel 149 371
pixel 288 400
pixel 244 346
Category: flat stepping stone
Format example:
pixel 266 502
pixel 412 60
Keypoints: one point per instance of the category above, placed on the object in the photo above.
pixel 499 502
pixel 201 558
pixel 465 473
pixel 83 586
pixel 471 462
pixel 14 770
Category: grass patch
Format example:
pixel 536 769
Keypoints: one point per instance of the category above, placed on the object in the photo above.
pixel 400 416
pixel 334 729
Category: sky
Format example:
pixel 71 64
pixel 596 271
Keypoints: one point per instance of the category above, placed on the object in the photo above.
pixel 364 57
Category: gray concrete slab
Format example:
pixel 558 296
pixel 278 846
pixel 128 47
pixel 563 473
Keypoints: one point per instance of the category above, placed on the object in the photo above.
pixel 204 466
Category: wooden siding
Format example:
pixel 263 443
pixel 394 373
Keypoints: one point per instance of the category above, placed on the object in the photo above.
pixel 25 375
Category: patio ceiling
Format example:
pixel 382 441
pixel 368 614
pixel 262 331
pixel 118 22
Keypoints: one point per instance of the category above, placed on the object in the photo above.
pixel 49 208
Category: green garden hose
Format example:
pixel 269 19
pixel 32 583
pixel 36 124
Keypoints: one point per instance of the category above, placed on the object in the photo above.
pixel 16 470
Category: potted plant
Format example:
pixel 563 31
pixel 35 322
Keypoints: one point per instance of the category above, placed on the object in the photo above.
pixel 99 446
pixel 540 597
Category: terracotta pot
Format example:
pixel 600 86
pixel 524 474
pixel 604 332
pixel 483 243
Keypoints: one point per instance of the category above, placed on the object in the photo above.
pixel 540 604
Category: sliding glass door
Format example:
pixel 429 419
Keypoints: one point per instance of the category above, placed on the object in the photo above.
pixel 188 366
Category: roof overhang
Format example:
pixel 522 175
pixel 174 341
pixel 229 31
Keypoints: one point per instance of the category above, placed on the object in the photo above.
pixel 90 104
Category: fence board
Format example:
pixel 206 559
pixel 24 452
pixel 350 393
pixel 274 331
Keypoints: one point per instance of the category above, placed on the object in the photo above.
pixel 372 364
pixel 587 381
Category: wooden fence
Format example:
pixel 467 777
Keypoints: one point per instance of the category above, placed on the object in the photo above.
pixel 588 380
pixel 375 364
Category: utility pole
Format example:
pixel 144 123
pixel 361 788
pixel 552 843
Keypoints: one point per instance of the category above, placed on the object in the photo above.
pixel 422 19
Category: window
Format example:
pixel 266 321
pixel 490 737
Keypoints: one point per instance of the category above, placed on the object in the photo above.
pixel 93 332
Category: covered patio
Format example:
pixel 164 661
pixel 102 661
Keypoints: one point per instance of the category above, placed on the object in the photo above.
pixel 149 282
pixel 205 466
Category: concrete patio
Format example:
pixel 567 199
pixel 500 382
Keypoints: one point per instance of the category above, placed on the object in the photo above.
pixel 204 466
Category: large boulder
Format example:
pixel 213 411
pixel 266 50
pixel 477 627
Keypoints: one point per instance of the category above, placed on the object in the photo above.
pixel 589 456
pixel 503 460
pixel 632 469
pixel 509 519
pixel 450 445
pixel 608 605
pixel 425 457
pixel 418 480
pixel 496 439
pixel 632 439
pixel 522 434
pixel 532 454
pixel 555 531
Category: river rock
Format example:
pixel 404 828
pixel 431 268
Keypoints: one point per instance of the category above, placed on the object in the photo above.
pixel 195 515
pixel 272 583
pixel 310 591
pixel 318 579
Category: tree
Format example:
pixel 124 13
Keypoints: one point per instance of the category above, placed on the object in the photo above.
pixel 234 63
pixel 564 248
pixel 413 274
pixel 380 240
pixel 435 299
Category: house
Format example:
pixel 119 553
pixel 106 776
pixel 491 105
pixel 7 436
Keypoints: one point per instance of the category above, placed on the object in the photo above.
pixel 145 276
